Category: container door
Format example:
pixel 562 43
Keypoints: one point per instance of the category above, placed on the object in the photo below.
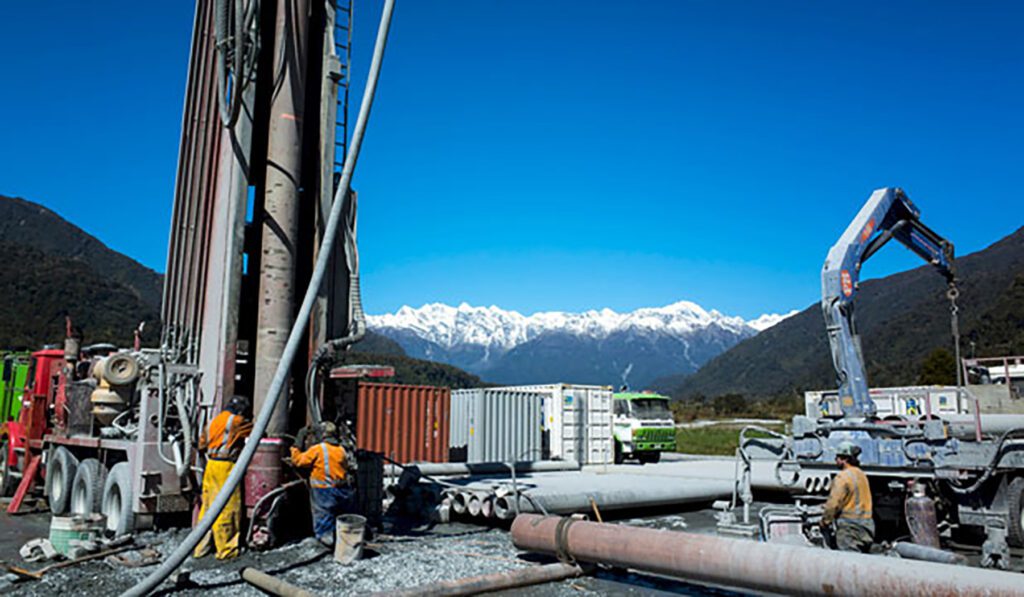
pixel 572 424
pixel 599 438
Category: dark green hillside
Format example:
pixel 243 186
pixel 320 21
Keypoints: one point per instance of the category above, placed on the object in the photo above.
pixel 415 371
pixel 39 290
pixel 902 319
pixel 29 224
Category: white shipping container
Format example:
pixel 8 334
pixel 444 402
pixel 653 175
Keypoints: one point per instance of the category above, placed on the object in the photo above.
pixel 908 401
pixel 496 425
pixel 577 421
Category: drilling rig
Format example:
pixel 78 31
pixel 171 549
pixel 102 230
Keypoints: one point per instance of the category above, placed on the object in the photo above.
pixel 261 171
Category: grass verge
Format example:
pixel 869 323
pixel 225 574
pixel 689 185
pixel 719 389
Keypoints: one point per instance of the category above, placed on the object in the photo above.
pixel 714 440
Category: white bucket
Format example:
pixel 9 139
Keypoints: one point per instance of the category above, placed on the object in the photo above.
pixel 67 529
pixel 348 538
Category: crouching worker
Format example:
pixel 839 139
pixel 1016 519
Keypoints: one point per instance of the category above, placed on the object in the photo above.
pixel 849 503
pixel 222 442
pixel 330 494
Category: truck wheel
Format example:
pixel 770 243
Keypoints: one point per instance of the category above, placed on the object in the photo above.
pixel 650 457
pixel 60 473
pixel 7 484
pixel 1015 500
pixel 117 500
pixel 87 488
pixel 618 453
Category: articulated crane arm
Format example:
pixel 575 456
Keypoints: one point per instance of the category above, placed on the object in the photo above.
pixel 887 214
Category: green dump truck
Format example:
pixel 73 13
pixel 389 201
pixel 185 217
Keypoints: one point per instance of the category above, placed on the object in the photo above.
pixel 644 427
pixel 13 377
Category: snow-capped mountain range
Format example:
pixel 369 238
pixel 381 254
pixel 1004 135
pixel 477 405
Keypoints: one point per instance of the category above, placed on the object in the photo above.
pixel 591 347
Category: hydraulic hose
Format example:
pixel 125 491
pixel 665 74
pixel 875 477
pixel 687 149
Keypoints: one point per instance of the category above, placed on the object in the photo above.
pixel 357 327
pixel 175 559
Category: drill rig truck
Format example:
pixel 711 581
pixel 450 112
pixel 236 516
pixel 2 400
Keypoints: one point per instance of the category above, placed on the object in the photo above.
pixel 971 465
pixel 262 180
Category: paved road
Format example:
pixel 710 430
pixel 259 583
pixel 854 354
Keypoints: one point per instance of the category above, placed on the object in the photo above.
pixel 712 422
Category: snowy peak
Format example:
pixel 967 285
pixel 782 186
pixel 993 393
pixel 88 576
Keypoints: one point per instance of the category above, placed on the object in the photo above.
pixel 494 327
pixel 768 320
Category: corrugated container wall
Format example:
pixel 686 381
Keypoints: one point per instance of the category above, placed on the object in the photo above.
pixel 496 425
pixel 577 421
pixel 909 401
pixel 405 423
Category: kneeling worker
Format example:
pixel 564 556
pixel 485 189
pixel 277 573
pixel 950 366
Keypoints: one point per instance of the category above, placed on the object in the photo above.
pixel 849 503
pixel 329 492
pixel 222 441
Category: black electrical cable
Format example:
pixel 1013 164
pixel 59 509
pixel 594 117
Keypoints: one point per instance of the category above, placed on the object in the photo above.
pixel 989 469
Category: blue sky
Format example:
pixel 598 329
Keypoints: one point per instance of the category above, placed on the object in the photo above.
pixel 570 155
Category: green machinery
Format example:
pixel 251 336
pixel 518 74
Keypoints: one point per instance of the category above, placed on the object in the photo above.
pixel 13 377
pixel 644 427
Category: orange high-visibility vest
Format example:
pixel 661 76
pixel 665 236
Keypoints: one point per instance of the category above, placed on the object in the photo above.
pixel 328 462
pixel 224 437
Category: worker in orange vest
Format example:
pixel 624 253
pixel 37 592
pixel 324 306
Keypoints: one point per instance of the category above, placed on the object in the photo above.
pixel 330 491
pixel 222 442
pixel 849 504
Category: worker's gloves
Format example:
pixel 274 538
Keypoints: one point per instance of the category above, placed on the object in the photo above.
pixel 300 438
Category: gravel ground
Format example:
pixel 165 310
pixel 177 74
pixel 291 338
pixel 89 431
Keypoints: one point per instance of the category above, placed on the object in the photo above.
pixel 445 552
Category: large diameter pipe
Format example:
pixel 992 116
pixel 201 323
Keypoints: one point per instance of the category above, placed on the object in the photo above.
pixel 280 232
pixel 618 496
pixel 275 586
pixel 451 469
pixel 295 336
pixel 533 575
pixel 783 569
pixel 964 426
pixel 459 500
pixel 914 551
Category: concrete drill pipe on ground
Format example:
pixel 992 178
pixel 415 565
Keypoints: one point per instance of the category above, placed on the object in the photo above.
pixel 532 575
pixel 574 495
pixel 274 586
pixel 750 565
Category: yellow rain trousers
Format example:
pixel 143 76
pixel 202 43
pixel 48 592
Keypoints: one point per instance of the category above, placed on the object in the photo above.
pixel 227 528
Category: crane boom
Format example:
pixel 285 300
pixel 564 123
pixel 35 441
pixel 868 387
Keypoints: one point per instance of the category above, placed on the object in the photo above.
pixel 887 214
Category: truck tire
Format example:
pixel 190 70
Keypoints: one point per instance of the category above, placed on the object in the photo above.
pixel 87 488
pixel 117 500
pixel 619 458
pixel 7 484
pixel 1015 500
pixel 650 457
pixel 60 473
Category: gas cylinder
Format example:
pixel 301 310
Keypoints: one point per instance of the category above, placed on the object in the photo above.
pixel 921 518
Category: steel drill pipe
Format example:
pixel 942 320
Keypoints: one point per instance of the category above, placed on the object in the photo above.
pixel 295 336
pixel 784 569
pixel 534 575
pixel 964 426
pixel 442 469
pixel 275 586
pixel 573 493
pixel 913 551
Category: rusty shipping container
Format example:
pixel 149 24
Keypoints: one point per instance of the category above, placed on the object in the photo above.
pixel 405 423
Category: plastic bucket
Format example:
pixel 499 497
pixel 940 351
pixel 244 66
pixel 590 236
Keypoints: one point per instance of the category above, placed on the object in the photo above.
pixel 349 531
pixel 66 529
